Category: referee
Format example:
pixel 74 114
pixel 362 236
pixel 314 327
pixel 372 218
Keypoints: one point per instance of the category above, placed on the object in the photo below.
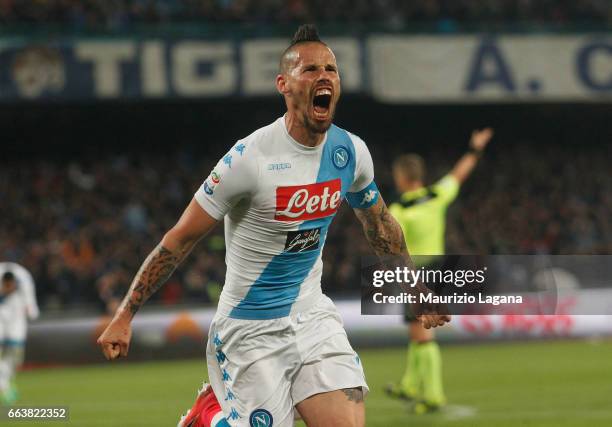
pixel 421 212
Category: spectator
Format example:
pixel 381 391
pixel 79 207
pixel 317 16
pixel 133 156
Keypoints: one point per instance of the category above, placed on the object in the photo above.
pixel 443 14
pixel 83 235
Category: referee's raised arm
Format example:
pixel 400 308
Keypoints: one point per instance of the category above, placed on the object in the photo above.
pixel 466 164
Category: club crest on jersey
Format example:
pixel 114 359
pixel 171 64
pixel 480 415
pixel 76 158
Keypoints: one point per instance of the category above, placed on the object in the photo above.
pixel 340 157
pixel 261 418
pixel 302 202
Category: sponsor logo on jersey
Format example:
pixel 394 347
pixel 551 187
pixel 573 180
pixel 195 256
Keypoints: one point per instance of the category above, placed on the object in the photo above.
pixel 261 418
pixel 303 240
pixel 278 166
pixel 240 148
pixel 368 197
pixel 234 415
pixel 228 160
pixel 215 177
pixel 340 157
pixel 311 201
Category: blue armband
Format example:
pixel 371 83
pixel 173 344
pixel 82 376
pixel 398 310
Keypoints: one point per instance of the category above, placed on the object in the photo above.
pixel 365 198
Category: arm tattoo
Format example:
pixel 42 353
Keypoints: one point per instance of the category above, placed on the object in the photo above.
pixel 354 394
pixel 387 239
pixel 154 272
pixel 382 230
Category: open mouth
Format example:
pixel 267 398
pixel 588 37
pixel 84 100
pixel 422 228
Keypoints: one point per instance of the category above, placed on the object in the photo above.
pixel 321 102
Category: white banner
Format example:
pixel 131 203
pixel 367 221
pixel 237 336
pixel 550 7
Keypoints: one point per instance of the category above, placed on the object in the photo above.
pixel 490 69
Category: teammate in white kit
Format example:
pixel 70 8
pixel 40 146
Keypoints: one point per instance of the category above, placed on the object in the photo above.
pixel 17 306
pixel 276 342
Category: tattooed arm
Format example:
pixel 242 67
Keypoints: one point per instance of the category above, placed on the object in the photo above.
pixel 382 230
pixel 387 240
pixel 155 270
pixel 176 244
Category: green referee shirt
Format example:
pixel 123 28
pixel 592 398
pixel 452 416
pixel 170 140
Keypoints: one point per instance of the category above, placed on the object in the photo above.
pixel 422 215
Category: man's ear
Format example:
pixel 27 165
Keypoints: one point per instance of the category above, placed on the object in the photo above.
pixel 281 84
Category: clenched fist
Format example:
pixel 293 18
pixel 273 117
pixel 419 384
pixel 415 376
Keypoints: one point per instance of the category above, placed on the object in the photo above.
pixel 115 340
pixel 430 314
pixel 432 320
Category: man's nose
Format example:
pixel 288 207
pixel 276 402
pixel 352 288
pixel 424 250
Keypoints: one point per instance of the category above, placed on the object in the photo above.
pixel 324 77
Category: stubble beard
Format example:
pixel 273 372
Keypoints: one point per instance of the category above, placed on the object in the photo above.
pixel 317 127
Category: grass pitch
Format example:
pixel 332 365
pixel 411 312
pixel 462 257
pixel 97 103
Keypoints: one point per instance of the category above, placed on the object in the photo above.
pixel 512 384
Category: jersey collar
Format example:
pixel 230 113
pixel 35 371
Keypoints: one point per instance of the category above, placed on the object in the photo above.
pixel 300 147
pixel 413 194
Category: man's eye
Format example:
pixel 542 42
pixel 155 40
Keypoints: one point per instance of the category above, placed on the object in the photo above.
pixel 330 68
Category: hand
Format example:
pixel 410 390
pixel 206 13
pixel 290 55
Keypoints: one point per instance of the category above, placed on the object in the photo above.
pixel 431 314
pixel 480 139
pixel 115 340
pixel 433 320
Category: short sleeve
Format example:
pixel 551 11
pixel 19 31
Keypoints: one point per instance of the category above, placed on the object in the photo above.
pixel 364 167
pixel 363 193
pixel 447 188
pixel 232 179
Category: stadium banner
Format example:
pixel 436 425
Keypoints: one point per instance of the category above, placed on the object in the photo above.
pixel 141 69
pixel 527 68
pixel 391 68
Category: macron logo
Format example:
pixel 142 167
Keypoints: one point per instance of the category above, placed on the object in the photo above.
pixel 368 197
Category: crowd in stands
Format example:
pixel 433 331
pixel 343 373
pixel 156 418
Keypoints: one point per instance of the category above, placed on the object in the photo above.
pixel 113 14
pixel 83 227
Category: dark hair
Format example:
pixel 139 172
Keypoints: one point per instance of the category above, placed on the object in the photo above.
pixel 8 276
pixel 306 33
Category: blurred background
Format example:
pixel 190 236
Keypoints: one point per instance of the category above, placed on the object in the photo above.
pixel 114 112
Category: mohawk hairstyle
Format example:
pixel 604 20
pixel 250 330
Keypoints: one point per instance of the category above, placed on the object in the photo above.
pixel 304 34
